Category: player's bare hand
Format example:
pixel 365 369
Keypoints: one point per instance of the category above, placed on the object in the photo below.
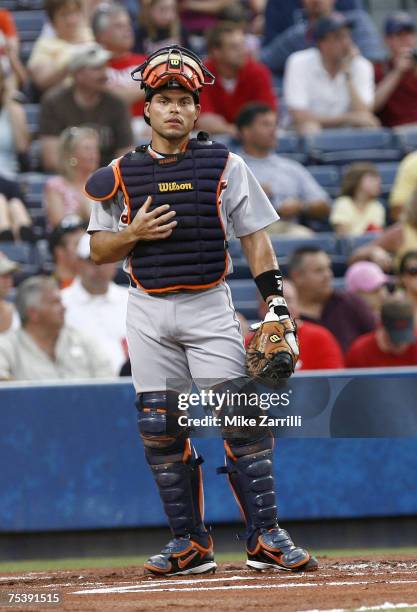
pixel 152 225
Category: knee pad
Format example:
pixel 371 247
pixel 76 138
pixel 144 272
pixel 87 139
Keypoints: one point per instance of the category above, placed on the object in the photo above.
pixel 159 428
pixel 240 413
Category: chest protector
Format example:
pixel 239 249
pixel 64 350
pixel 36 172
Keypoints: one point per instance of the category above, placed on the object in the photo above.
pixel 194 256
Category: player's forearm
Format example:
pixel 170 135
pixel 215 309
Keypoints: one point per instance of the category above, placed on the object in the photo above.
pixel 263 263
pixel 386 88
pixel 259 252
pixel 110 247
pixel 302 117
pixel 47 75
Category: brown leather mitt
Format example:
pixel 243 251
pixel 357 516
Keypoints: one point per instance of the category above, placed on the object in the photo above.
pixel 273 352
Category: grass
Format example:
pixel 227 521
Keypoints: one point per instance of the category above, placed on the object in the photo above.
pixel 39 565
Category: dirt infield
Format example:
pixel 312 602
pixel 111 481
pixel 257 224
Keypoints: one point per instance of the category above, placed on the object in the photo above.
pixel 346 583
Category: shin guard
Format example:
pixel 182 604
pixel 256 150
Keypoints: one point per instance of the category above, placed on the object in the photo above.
pixel 249 468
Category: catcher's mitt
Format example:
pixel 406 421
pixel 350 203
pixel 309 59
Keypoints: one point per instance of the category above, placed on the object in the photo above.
pixel 273 351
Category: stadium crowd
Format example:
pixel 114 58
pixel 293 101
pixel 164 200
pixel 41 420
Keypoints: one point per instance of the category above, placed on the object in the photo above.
pixel 318 102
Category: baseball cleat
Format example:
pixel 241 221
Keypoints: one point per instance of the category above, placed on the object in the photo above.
pixel 182 556
pixel 275 549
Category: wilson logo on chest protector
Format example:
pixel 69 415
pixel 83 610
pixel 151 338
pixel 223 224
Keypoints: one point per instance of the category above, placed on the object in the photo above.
pixel 174 186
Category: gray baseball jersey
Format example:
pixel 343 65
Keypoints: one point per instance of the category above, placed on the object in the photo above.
pixel 190 334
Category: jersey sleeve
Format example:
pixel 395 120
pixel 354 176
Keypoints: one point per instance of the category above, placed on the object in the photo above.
pixel 105 216
pixel 246 206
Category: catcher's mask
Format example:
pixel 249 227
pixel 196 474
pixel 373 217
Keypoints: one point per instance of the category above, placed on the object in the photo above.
pixel 172 67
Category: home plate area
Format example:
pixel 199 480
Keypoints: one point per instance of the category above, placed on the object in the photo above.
pixel 338 586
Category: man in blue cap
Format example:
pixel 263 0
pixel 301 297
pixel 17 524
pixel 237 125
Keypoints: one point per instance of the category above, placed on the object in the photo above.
pixel 330 85
pixel 396 92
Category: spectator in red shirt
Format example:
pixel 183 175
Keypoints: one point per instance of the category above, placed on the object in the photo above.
pixel 239 80
pixel 310 336
pixel 396 91
pixel 113 30
pixel 347 316
pixel 393 343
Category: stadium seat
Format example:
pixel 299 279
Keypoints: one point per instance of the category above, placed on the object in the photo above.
pixel 241 268
pixel 20 252
pixel 328 177
pixel 32 184
pixel 30 4
pixel 407 139
pixel 26 47
pixel 347 244
pixel 39 222
pixel 32 116
pixel 285 246
pixel 35 156
pixel 243 290
pixel 25 255
pixel 290 145
pixel 235 248
pixel 10 5
pixel 388 172
pixel 349 145
pixel 245 297
pixel 29 23
pixel 22 5
pixel 339 283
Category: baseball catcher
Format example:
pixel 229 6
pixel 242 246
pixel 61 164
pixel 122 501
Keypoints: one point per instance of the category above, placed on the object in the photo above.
pixel 169 208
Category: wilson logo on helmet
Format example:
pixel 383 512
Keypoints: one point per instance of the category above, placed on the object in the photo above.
pixel 174 186
pixel 176 64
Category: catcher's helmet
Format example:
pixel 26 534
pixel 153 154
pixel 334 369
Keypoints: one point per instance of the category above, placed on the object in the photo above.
pixel 172 66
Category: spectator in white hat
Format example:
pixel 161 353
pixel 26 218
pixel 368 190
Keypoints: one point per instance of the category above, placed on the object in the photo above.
pixel 85 102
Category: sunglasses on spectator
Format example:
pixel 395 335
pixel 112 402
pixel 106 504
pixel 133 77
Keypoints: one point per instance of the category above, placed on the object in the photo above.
pixel 411 271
